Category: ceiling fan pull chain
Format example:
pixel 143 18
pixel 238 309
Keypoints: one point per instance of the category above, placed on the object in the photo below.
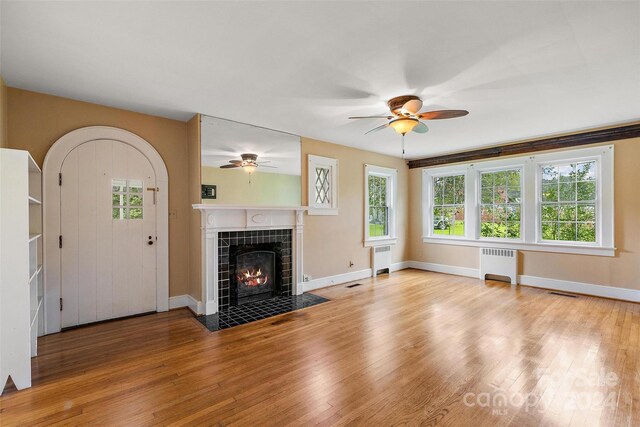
pixel 403 146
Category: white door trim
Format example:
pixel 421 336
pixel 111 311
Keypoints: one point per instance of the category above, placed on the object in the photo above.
pixel 51 211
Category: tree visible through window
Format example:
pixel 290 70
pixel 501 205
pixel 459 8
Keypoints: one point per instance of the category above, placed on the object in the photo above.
pixel 448 205
pixel 378 206
pixel 126 199
pixel 568 202
pixel 500 204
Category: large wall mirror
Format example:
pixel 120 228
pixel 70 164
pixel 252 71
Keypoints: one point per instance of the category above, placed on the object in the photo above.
pixel 249 165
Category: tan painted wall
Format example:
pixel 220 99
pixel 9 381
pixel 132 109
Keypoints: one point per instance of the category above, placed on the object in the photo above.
pixel 330 242
pixel 4 138
pixel 265 189
pixel 623 270
pixel 195 249
pixel 36 121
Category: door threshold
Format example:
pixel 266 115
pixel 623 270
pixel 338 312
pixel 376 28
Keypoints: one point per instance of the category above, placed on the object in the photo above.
pixel 99 322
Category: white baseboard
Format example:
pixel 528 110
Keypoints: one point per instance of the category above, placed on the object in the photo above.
pixel 538 282
pixel 323 282
pixel 442 268
pixel 581 288
pixel 400 266
pixel 180 301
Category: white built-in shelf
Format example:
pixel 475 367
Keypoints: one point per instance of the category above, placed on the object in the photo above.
pixel 34 313
pixel 21 269
pixel 35 273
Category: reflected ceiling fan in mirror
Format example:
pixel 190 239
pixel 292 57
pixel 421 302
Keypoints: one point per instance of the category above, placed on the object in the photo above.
pixel 405 116
pixel 249 164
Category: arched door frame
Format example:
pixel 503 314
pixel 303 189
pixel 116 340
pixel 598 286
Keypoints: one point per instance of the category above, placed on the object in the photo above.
pixel 51 211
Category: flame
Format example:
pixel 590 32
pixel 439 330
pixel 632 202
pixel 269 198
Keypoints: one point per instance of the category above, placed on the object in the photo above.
pixel 253 277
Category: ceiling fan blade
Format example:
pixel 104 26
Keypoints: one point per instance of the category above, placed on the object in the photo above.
pixel 376 129
pixel 411 107
pixel 229 166
pixel 442 114
pixel 421 128
pixel 372 117
pixel 235 162
pixel 265 166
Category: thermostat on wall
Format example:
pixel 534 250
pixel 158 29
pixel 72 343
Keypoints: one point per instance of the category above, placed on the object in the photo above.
pixel 208 191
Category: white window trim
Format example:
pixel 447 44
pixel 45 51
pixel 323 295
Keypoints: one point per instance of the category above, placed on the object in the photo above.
pixel 392 195
pixel 323 162
pixel 530 238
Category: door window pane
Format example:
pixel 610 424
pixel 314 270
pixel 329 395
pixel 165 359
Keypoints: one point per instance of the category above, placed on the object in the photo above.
pixel 126 199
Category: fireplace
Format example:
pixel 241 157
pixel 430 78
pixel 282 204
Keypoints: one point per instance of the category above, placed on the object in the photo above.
pixel 226 226
pixel 253 265
pixel 256 272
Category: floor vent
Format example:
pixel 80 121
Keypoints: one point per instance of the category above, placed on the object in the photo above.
pixel 563 295
pixel 354 285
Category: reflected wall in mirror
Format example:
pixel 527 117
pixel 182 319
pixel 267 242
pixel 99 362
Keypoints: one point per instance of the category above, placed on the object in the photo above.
pixel 250 165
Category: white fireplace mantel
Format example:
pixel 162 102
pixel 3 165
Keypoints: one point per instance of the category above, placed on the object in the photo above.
pixel 219 218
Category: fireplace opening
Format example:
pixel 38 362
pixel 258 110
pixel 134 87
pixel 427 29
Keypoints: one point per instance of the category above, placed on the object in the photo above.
pixel 256 272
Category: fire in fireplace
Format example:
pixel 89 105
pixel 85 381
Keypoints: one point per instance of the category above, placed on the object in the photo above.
pixel 253 278
pixel 256 270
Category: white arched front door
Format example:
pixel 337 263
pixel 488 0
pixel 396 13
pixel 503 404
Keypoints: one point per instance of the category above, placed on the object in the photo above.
pixel 108 229
pixel 105 228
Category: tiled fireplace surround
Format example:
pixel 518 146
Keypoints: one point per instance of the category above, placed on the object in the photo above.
pixel 226 239
pixel 224 225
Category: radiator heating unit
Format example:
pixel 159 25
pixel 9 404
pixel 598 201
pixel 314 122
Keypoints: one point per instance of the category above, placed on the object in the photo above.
pixel 380 259
pixel 499 262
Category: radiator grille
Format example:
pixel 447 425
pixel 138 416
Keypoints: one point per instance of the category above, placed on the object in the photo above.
pixel 498 252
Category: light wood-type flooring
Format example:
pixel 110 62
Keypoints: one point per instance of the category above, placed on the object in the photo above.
pixel 413 348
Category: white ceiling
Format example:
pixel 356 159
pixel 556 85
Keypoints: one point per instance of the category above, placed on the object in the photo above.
pixel 522 69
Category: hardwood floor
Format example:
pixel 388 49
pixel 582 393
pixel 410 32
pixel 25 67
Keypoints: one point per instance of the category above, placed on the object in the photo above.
pixel 413 348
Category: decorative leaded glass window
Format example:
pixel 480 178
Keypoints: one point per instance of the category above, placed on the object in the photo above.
pixel 323 185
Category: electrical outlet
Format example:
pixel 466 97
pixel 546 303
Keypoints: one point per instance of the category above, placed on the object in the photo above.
pixel 173 214
pixel 306 278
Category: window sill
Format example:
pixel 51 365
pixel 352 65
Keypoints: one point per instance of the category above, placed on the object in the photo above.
pixel 385 241
pixel 319 211
pixel 536 247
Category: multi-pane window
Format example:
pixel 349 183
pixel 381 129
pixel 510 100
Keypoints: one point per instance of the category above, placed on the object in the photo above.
pixel 323 186
pixel 126 199
pixel 568 202
pixel 378 206
pixel 560 201
pixel 500 204
pixel 448 205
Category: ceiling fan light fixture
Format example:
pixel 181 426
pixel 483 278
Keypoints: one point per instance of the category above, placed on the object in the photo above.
pixel 403 124
pixel 249 168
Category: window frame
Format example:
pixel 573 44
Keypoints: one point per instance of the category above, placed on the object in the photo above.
pixel 531 201
pixel 392 200
pixel 498 167
pixel 428 200
pixel 324 163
